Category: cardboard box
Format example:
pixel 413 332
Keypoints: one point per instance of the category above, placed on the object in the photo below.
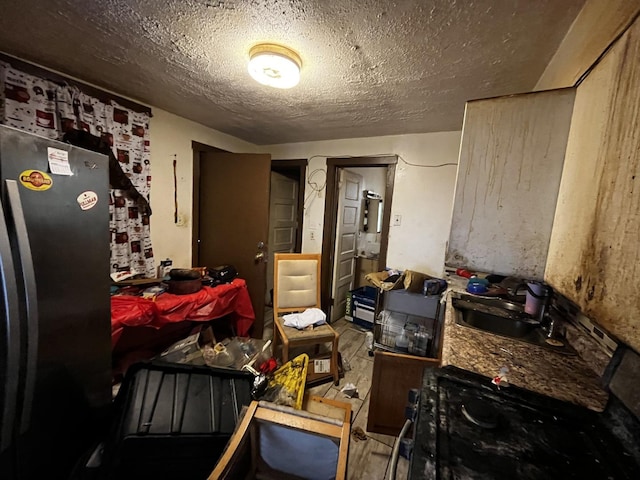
pixel 378 279
pixel 189 350
pixel 361 306
pixel 363 315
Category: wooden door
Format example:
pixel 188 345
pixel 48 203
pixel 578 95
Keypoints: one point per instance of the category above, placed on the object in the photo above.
pixel 348 218
pixel 234 219
pixel 283 220
pixel 394 374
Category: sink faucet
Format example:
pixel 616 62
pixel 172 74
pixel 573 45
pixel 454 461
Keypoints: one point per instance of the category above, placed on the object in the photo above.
pixel 553 320
pixel 545 314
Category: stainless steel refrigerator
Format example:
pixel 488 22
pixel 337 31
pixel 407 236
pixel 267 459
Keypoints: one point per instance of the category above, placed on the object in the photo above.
pixel 55 351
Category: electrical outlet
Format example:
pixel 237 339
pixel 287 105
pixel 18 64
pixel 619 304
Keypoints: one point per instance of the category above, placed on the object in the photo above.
pixel 312 235
pixel 397 220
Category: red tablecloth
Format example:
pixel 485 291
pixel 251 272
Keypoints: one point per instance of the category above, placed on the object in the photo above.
pixel 207 304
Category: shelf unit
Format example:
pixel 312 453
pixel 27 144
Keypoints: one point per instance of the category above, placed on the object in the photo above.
pixel 396 372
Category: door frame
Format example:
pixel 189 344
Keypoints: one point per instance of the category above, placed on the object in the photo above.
pixel 331 214
pixel 297 168
pixel 198 148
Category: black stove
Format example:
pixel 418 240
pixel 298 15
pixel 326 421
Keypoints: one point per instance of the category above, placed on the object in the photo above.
pixel 468 429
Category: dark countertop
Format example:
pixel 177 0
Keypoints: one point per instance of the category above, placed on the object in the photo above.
pixel 534 368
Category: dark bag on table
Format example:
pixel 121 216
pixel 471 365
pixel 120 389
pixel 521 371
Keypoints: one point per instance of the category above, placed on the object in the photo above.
pixel 223 274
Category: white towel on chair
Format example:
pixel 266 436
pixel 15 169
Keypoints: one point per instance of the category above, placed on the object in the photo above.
pixel 311 316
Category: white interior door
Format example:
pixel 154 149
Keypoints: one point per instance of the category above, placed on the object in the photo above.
pixel 349 193
pixel 283 220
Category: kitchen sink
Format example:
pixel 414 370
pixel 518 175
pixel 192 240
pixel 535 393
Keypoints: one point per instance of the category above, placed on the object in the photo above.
pixel 505 318
pixel 508 327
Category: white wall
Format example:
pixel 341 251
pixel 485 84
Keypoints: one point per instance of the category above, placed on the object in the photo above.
pixel 172 135
pixel 373 178
pixel 422 196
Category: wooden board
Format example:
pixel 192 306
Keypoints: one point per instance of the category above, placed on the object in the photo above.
pixel 594 259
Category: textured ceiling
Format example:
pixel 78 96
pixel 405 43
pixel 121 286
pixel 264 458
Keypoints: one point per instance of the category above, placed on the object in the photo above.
pixel 370 67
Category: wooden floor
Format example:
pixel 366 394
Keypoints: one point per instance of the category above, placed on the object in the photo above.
pixel 368 459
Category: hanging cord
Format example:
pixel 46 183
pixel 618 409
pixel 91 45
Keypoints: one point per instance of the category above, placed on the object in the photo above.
pixel 427 166
pixel 395 453
pixel 316 188
pixel 175 189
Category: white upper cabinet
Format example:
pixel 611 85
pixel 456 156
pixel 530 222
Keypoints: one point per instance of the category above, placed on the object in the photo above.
pixel 511 157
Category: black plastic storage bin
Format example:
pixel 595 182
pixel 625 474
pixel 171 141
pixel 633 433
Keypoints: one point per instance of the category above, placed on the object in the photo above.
pixel 174 421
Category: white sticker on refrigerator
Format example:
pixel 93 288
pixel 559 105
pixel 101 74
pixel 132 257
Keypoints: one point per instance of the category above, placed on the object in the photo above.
pixel 59 161
pixel 87 200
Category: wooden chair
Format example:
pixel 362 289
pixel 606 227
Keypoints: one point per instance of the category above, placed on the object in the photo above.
pixel 273 442
pixel 296 287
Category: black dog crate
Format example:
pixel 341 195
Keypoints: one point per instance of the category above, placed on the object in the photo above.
pixel 174 421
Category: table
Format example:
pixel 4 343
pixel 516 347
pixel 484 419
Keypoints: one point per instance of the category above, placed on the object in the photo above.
pixel 207 304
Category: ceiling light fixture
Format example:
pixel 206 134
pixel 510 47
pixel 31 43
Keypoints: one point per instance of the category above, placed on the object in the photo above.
pixel 274 65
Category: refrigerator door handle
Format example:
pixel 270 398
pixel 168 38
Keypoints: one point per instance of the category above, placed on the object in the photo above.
pixel 31 300
pixel 11 340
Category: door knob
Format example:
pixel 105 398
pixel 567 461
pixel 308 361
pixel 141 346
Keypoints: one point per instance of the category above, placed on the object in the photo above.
pixel 259 257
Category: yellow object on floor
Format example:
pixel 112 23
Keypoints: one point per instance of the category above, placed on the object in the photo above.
pixel 291 379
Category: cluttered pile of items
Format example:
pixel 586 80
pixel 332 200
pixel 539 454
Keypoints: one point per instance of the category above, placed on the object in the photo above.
pixel 401 308
pixel 147 315
pixel 178 281
pixel 227 403
pixel 204 397
pixel 283 384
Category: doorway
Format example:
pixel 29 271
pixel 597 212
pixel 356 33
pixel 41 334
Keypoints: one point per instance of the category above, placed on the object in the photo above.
pixel 231 221
pixel 335 263
pixel 286 212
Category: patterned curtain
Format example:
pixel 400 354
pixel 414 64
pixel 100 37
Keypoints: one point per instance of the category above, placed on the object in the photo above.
pixel 49 109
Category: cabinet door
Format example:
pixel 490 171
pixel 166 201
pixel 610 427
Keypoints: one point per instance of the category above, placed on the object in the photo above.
pixel 393 376
pixel 509 171
pixel 594 259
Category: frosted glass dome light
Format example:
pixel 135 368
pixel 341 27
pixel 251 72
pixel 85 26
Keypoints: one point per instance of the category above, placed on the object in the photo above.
pixel 274 65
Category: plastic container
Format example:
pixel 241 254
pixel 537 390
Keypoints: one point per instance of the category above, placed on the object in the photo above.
pixel 477 285
pixel 361 306
pixel 402 341
pixel 434 286
pixel 174 421
pixel 411 330
pixel 403 301
pixel 421 342
pixel 369 341
pixel 462 272
pixel 536 293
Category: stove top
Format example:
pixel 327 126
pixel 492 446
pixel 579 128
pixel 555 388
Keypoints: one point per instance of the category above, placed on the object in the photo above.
pixel 468 429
